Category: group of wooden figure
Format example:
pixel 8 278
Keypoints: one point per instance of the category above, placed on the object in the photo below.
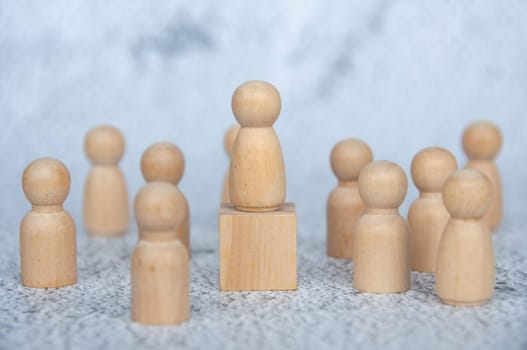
pixel 448 231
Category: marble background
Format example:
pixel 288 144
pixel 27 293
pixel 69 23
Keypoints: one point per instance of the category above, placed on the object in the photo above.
pixel 401 75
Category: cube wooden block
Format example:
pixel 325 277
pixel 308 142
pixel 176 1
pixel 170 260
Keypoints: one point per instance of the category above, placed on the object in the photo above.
pixel 258 250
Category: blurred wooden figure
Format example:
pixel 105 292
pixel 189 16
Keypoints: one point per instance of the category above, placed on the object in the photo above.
pixel 381 261
pixel 228 142
pixel 257 170
pixel 48 249
pixel 465 269
pixel 106 211
pixel 165 162
pixel 344 204
pixel 160 262
pixel 428 216
pixel 482 143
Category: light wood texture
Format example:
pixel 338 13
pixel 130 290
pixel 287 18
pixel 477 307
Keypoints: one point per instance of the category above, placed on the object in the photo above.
pixel 381 261
pixel 428 216
pixel 48 248
pixel 344 204
pixel 106 211
pixel 228 142
pixel 160 262
pixel 482 142
pixel 465 270
pixel 257 170
pixel 258 250
pixel 164 162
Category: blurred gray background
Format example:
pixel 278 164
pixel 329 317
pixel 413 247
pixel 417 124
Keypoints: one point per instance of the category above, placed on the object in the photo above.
pixel 401 75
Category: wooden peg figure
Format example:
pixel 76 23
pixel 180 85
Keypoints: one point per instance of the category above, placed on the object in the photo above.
pixel 482 143
pixel 380 239
pixel 428 216
pixel 257 170
pixel 165 162
pixel 106 210
pixel 465 269
pixel 344 205
pixel 228 142
pixel 48 249
pixel 160 262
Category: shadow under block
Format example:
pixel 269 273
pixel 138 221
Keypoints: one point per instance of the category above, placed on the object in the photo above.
pixel 258 250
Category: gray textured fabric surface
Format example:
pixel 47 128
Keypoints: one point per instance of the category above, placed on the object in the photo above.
pixel 324 313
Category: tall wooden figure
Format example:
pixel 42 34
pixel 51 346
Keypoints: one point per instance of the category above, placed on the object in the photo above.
pixel 482 143
pixel 258 231
pixel 160 262
pixel 465 270
pixel 48 249
pixel 381 262
pixel 165 162
pixel 344 205
pixel 428 216
pixel 228 142
pixel 106 210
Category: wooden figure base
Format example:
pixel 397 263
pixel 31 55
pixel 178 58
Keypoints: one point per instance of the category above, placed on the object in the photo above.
pixel 258 250
pixel 465 303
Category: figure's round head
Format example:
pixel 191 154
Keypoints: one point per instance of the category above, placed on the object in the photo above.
pixel 467 194
pixel 431 167
pixel 482 140
pixel 256 104
pixel 164 162
pixel 382 185
pixel 230 137
pixel 159 206
pixel 104 145
pixel 348 157
pixel 46 181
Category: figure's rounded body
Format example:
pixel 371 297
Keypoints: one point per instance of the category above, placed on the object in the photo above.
pixel 465 272
pixel 160 277
pixel 494 215
pixel 257 171
pixel 343 210
pixel 427 218
pixel 228 142
pixel 106 210
pixel 381 253
pixel 48 257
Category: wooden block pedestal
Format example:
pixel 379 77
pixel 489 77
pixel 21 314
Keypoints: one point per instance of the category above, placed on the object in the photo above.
pixel 258 250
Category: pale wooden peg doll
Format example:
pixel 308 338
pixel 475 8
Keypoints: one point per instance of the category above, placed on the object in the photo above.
pixel 428 216
pixel 381 261
pixel 160 262
pixel 106 211
pixel 344 204
pixel 165 162
pixel 257 170
pixel 465 269
pixel 228 142
pixel 48 249
pixel 482 143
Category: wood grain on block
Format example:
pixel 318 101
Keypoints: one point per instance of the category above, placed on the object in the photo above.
pixel 258 250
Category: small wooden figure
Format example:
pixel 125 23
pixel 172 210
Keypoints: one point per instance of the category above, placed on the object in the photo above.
pixel 344 205
pixel 165 162
pixel 257 171
pixel 48 248
pixel 106 210
pixel 465 269
pixel 381 261
pixel 228 142
pixel 482 142
pixel 428 216
pixel 160 262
